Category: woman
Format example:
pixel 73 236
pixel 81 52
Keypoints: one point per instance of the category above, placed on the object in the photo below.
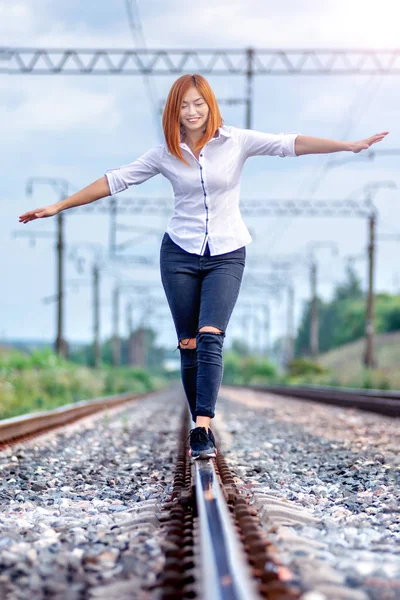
pixel 203 251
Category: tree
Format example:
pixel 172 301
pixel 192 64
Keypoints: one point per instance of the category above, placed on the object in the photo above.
pixel 341 320
pixel 351 288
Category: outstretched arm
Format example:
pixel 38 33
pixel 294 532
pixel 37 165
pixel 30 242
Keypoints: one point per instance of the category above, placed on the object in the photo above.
pixel 305 144
pixel 96 190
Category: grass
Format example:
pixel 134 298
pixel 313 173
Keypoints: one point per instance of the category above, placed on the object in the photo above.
pixel 41 381
pixel 346 366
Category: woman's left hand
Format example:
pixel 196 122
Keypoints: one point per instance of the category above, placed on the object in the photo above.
pixel 365 144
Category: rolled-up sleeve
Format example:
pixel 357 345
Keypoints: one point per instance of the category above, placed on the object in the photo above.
pixel 257 143
pixel 138 171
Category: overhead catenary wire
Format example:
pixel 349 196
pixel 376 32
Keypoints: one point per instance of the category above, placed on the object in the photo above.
pixel 360 104
pixel 364 99
pixel 136 29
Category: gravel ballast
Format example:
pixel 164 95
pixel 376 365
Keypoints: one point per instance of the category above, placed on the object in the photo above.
pixel 326 483
pixel 79 506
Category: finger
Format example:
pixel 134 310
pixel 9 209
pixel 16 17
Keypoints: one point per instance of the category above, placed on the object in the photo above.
pixel 376 140
pixel 382 134
pixel 27 217
pixel 28 214
pixel 373 140
pixel 378 136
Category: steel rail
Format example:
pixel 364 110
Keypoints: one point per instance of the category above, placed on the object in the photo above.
pixel 376 401
pixel 225 570
pixel 215 548
pixel 11 430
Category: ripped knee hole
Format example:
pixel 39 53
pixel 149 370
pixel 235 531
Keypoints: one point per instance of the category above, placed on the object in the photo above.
pixel 187 343
pixel 210 329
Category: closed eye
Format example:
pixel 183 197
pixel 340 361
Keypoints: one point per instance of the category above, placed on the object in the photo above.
pixel 199 104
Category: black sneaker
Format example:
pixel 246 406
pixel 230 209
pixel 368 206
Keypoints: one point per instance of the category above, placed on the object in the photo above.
pixel 200 444
pixel 212 438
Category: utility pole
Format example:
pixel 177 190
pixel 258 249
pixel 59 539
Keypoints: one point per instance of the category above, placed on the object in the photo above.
pixel 130 333
pixel 96 316
pixel 61 346
pixel 314 311
pixel 267 329
pixel 62 186
pixel 140 356
pixel 369 358
pixel 116 342
pixel 113 225
pixel 290 324
pixel 249 87
pixel 97 266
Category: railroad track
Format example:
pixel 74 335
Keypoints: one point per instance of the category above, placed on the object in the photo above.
pixel 24 427
pixel 377 401
pixel 216 549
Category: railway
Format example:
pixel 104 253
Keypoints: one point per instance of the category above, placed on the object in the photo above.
pixel 215 531
pixel 377 401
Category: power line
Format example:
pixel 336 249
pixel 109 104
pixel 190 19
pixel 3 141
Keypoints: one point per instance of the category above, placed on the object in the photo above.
pixel 135 26
pixel 321 169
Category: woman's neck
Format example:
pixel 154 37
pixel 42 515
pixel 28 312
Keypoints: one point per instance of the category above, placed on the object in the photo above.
pixel 193 139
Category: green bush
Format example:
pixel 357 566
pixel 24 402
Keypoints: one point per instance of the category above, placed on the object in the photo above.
pixel 255 368
pixel 246 369
pixel 305 366
pixel 42 381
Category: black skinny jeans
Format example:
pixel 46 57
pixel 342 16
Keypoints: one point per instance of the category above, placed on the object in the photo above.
pixel 201 291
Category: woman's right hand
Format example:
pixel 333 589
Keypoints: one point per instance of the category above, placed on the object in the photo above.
pixel 39 213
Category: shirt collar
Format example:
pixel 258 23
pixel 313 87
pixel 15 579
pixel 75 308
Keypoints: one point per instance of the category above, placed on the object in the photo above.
pixel 221 131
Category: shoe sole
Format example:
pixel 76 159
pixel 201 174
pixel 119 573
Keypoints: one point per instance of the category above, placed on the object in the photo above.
pixel 204 455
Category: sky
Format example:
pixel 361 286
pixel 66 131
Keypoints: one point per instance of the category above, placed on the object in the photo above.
pixel 76 127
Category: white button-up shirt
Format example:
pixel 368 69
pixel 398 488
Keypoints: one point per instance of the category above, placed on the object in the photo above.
pixel 206 194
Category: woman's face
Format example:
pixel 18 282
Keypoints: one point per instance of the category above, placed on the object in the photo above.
pixel 194 110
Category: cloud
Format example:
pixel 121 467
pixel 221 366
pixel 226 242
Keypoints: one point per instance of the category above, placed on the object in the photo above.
pixel 60 107
pixel 168 24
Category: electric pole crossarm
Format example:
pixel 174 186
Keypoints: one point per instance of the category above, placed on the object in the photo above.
pixel 205 61
pixel 249 207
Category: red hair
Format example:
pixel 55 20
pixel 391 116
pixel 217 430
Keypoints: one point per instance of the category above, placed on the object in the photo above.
pixel 172 113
